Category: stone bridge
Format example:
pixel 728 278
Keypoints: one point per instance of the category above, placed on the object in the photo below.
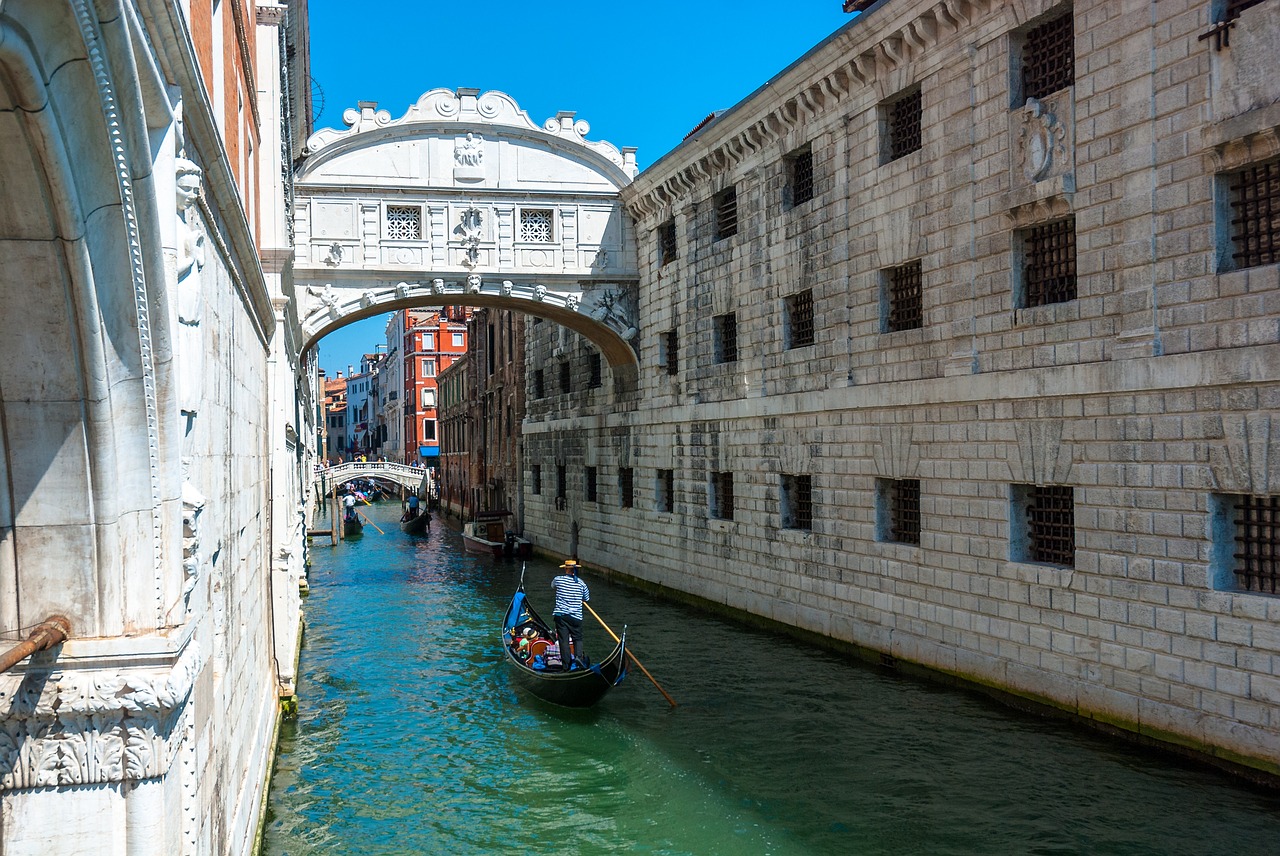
pixel 466 201
pixel 412 478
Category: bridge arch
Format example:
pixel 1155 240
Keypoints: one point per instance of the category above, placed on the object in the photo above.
pixel 464 200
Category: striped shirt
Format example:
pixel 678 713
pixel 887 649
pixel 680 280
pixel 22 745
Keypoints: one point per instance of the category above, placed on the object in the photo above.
pixel 570 593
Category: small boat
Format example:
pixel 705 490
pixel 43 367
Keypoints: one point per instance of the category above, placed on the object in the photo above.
pixel 528 653
pixel 488 533
pixel 352 525
pixel 418 525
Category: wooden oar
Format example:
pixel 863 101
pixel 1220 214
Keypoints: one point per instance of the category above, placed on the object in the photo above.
pixel 588 608
pixel 370 522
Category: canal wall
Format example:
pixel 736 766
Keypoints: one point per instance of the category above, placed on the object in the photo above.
pixel 995 400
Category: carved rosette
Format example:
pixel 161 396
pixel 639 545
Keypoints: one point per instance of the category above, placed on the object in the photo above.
pixel 92 727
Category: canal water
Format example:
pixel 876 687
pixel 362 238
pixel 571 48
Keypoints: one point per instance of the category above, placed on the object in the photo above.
pixel 411 739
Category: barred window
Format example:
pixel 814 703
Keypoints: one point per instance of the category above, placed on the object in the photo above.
pixel 591 484
pixel 904 297
pixel 1235 7
pixel 1049 263
pixel 667 242
pixel 726 211
pixel 404 222
pixel 1048 517
pixel 800 176
pixel 536 225
pixel 560 481
pixel 626 486
pixel 1049 57
pixel 797 502
pixel 1257 542
pixel 671 351
pixel 902 121
pixel 594 372
pixel 898 510
pixel 726 338
pixel 535 476
pixel 566 377
pixel 539 384
pixel 800 319
pixel 665 491
pixel 1255 215
pixel 722 496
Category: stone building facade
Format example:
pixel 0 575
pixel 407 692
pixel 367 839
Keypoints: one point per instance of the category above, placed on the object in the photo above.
pixel 960 343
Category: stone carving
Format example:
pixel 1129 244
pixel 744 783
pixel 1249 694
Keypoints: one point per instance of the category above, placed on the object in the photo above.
pixel 1041 147
pixel 610 309
pixel 367 299
pixel 571 302
pixel 328 300
pixel 437 285
pixel 474 283
pixel 470 228
pixel 190 296
pixel 540 293
pixel 602 258
pixel 335 255
pixel 469 152
pixel 402 290
pixel 192 504
pixel 507 287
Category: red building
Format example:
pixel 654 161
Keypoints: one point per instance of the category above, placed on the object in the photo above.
pixel 433 339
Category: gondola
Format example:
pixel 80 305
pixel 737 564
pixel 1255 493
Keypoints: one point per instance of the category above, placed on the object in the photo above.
pixel 567 688
pixel 416 525
pixel 352 525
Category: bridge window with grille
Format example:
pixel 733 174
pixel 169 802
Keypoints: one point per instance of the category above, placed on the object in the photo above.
pixel 799 171
pixel 566 377
pixel 721 496
pixel 1253 216
pixel 902 120
pixel 537 225
pixel 595 374
pixel 626 486
pixel 539 384
pixel 797 502
pixel 1043 524
pixel 1048 264
pixel 902 298
pixel 799 330
pixel 664 491
pixel 404 222
pixel 535 479
pixel 669 351
pixel 725 204
pixel 725 331
pixel 667 246
pixel 1047 58
pixel 898 510
pixel 1246 536
pixel 591 484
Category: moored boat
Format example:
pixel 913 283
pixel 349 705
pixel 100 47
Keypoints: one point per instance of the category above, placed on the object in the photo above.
pixel 488 533
pixel 528 643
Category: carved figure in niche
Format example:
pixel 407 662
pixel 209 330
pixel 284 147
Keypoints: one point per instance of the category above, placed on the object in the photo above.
pixel 190 301
pixel 469 152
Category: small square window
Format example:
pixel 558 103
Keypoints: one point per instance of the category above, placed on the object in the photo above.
pixel 539 384
pixel 536 225
pixel 902 125
pixel 1248 544
pixel 667 242
pixel 726 212
pixel 722 496
pixel 1048 264
pixel 1254 193
pixel 670 351
pixel 726 337
pixel 799 177
pixel 665 491
pixel 1049 58
pixel 566 377
pixel 404 222
pixel 626 486
pixel 1043 525
pixel 799 333
pixel 591 484
pixel 797 502
pixel 595 376
pixel 903 299
pixel 535 478
pixel 898 510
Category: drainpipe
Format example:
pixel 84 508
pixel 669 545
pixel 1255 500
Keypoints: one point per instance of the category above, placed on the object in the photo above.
pixel 48 633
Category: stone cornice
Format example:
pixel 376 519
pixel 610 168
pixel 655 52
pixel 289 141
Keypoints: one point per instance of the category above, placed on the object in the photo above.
pixel 843 65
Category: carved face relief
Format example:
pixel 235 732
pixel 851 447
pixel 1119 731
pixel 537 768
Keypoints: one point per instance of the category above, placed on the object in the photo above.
pixel 540 293
pixel 473 283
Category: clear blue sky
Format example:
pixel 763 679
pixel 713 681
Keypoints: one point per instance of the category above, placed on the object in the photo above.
pixel 640 74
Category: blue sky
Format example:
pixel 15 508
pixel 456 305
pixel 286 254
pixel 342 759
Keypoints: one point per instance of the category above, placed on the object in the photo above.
pixel 640 74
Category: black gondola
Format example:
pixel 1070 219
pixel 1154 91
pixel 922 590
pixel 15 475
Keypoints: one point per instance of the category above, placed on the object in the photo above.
pixel 352 525
pixel 568 688
pixel 418 525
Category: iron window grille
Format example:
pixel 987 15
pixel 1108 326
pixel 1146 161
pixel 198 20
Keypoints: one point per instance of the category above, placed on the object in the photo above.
pixel 726 211
pixel 560 482
pixel 667 242
pixel 1049 263
pixel 726 330
pixel 1049 57
pixel 905 286
pixel 595 376
pixel 671 347
pixel 722 496
pixel 666 489
pixel 800 176
pixel 591 484
pixel 797 496
pixel 536 225
pixel 1051 524
pixel 536 478
pixel 1235 7
pixel 1257 536
pixel 566 377
pixel 539 384
pixel 903 119
pixel 1255 215
pixel 800 319
pixel 903 498
pixel 626 486
pixel 404 222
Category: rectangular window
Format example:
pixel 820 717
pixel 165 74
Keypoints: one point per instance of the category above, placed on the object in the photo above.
pixel 560 481
pixel 726 213
pixel 797 502
pixel 903 302
pixel 428 429
pixel 428 341
pixel 1255 215
pixel 799 177
pixel 459 340
pixel 902 125
pixel 428 397
pixel 566 377
pixel 1044 524
pixel 404 222
pixel 535 479
pixel 726 337
pixel 626 486
pixel 898 510
pixel 536 225
pixel 1048 263
pixel 591 484
pixel 1256 540
pixel 428 368
pixel 664 490
pixel 670 351
pixel 1049 58
pixel 799 332
pixel 539 384
pixel 595 375
pixel 722 496
pixel 667 242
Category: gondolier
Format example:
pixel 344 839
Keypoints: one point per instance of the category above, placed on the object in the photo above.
pixel 570 594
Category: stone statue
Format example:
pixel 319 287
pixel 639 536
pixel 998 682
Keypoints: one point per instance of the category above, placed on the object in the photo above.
pixel 190 301
pixel 469 152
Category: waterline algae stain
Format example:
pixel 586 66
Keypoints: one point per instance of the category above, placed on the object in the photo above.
pixel 411 739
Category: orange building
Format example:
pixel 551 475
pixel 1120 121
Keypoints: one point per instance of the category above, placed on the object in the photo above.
pixel 433 339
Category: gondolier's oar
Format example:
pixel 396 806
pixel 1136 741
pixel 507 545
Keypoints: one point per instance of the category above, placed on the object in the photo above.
pixel 371 523
pixel 588 608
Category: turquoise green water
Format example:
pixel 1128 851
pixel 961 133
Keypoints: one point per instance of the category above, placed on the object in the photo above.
pixel 410 739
